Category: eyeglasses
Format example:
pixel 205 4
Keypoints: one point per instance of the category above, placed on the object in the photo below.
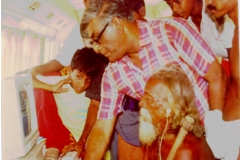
pixel 96 40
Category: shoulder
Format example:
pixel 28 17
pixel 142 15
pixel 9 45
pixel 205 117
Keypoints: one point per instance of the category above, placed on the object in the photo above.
pixel 195 147
pixel 49 79
pixel 168 20
pixel 171 25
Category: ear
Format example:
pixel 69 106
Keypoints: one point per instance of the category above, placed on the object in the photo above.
pixel 118 22
pixel 168 112
pixel 66 71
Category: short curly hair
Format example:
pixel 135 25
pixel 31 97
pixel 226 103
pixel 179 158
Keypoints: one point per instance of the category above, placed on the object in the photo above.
pixel 86 60
pixel 136 4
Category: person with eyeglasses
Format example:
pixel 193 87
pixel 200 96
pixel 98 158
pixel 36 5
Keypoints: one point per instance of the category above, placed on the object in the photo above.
pixel 73 42
pixel 123 126
pixel 130 104
pixel 135 50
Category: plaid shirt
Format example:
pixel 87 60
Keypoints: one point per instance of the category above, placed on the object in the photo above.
pixel 162 41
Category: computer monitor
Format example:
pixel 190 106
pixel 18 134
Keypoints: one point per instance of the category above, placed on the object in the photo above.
pixel 19 120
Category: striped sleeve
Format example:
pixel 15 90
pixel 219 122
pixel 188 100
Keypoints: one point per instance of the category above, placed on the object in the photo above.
pixel 191 46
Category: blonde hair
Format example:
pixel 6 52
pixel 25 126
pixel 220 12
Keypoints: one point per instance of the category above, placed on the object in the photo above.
pixel 181 94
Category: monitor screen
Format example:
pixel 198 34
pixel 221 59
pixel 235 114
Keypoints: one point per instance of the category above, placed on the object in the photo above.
pixel 25 110
pixel 19 120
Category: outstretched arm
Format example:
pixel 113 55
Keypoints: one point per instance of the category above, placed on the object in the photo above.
pixel 98 139
pixel 51 66
pixel 55 88
pixel 196 53
pixel 91 119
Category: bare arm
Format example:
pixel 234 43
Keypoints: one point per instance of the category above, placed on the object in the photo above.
pixel 91 119
pixel 217 80
pixel 51 66
pixel 234 59
pixel 194 147
pixel 99 139
pixel 185 154
pixel 56 88
pixel 231 108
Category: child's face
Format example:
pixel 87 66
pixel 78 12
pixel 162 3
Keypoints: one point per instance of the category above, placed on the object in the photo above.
pixel 80 81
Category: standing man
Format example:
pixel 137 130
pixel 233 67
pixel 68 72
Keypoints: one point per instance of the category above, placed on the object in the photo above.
pixel 226 121
pixel 135 49
pixel 218 37
pixel 219 8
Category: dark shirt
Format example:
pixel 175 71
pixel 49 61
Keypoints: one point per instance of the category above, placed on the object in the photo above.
pixel 130 104
pixel 94 90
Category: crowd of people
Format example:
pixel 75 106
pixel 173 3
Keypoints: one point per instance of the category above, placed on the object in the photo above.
pixel 148 76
